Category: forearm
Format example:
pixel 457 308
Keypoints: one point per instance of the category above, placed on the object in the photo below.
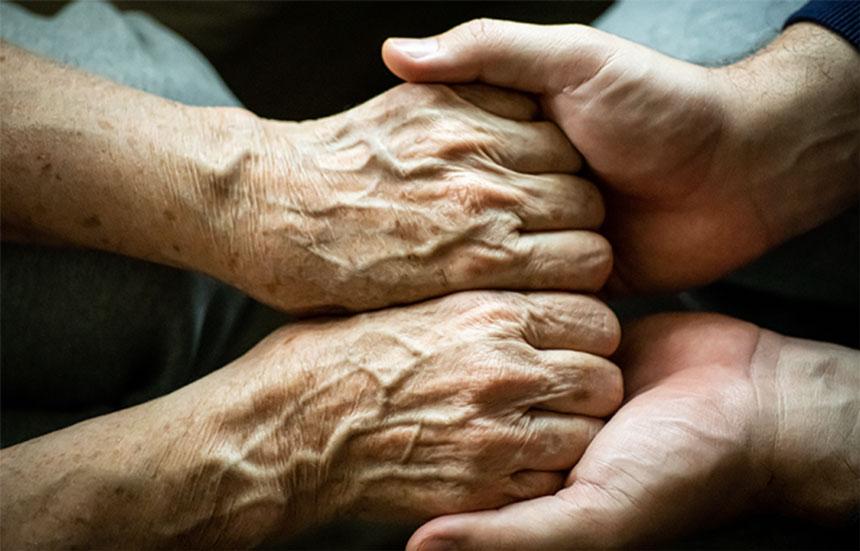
pixel 92 163
pixel 195 468
pixel 814 439
pixel 796 112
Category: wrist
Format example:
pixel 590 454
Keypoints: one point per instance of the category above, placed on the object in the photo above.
pixel 809 395
pixel 248 190
pixel 278 426
pixel 212 187
pixel 793 117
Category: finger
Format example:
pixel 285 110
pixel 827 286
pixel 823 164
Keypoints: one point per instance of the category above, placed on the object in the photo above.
pixel 582 384
pixel 534 148
pixel 555 442
pixel 562 260
pixel 557 202
pixel 529 484
pixel 534 58
pixel 499 101
pixel 570 260
pixel 541 523
pixel 574 322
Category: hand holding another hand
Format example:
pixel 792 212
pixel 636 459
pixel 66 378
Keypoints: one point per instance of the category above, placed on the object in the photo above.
pixel 703 169
pixel 719 417
pixel 422 191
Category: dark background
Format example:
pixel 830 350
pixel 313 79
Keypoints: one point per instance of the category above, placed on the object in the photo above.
pixel 300 60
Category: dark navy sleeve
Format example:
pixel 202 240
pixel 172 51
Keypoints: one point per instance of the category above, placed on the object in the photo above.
pixel 839 16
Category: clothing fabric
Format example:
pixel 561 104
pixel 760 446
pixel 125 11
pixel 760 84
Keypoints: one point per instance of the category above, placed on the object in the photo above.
pixel 84 332
pixel 841 17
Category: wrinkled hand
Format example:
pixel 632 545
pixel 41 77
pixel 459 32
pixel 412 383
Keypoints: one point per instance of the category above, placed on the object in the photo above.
pixel 471 401
pixel 719 417
pixel 419 192
pixel 705 169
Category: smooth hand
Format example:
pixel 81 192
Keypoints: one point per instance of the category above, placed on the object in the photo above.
pixel 704 169
pixel 422 191
pixel 720 417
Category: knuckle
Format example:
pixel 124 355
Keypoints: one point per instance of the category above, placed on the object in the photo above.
pixel 490 308
pixel 530 484
pixel 472 194
pixel 488 259
pixel 481 29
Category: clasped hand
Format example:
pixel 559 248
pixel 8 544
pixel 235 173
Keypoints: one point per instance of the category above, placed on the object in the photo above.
pixel 420 192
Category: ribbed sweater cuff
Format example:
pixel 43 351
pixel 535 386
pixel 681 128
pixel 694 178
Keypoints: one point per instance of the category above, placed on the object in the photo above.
pixel 840 16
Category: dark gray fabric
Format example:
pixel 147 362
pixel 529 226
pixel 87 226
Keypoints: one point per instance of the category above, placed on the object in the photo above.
pixel 85 332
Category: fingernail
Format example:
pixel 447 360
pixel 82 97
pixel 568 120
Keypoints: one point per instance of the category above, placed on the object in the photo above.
pixel 416 48
pixel 438 545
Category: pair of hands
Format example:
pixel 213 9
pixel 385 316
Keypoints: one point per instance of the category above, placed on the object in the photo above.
pixel 686 156
pixel 702 170
pixel 476 399
pixel 719 416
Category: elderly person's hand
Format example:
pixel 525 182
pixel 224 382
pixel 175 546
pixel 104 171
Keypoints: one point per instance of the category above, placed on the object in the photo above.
pixel 422 191
pixel 466 402
pixel 720 417
pixel 419 192
pixel 704 169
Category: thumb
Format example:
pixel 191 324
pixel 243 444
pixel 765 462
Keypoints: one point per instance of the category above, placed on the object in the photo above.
pixel 579 517
pixel 531 58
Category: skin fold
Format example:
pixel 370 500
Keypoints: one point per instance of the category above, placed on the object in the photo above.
pixel 420 192
pixel 471 401
pixel 703 169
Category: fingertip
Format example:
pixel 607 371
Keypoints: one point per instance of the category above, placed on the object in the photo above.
pixel 423 60
pixel 396 60
pixel 438 534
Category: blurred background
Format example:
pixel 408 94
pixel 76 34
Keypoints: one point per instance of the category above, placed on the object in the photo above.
pixel 299 60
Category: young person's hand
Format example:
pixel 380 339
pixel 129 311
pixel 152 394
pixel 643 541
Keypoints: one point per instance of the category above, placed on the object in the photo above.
pixel 719 417
pixel 703 169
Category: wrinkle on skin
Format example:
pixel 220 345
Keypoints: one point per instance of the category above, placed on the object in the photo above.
pixel 414 193
pixel 413 424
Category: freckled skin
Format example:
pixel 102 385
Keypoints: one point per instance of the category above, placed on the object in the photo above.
pixel 471 401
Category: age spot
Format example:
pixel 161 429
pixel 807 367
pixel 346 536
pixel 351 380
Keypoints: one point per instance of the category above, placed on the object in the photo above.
pixel 169 215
